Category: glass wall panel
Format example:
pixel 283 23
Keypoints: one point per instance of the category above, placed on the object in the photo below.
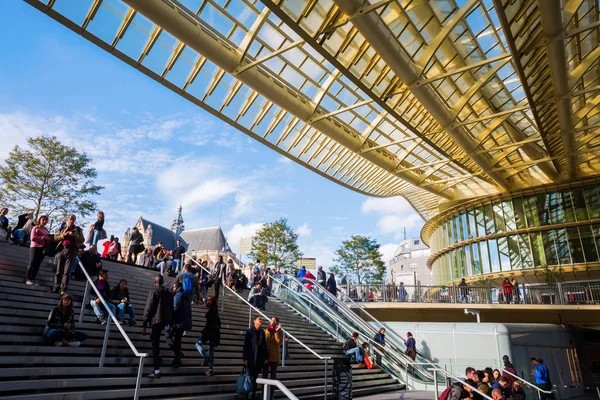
pixel 579 204
pixel 567 204
pixel 536 210
pixel 468 259
pixel 526 253
pixel 485 257
pixel 489 219
pixel 509 215
pixel 514 251
pixel 557 215
pixel 472 224
pixel 460 253
pixel 499 217
pixel 476 259
pixel 562 246
pixel 459 228
pixel 451 231
pixel 480 221
pixel 494 256
pixel 519 213
pixel 592 200
pixel 537 249
pixel 588 243
pixel 455 266
pixel 465 226
pixel 575 245
pixel 550 248
pixel 503 250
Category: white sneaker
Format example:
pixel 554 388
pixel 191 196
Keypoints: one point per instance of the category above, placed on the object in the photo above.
pixel 29 282
pixel 58 344
pixel 74 344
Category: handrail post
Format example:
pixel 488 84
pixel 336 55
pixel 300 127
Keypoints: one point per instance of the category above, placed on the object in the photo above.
pixel 310 312
pixel 249 317
pixel 105 343
pixel 435 385
pixel 136 394
pixel 326 371
pixel 223 297
pixel 283 348
pixel 83 302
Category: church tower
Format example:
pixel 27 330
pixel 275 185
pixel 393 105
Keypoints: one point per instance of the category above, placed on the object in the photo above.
pixel 177 227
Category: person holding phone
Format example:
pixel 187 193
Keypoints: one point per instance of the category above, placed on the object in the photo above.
pixel 273 338
pixel 120 299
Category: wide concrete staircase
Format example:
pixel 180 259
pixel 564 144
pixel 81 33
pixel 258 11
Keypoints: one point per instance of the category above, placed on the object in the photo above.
pixel 29 369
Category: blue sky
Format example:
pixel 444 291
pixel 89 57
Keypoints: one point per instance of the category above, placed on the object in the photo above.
pixel 154 150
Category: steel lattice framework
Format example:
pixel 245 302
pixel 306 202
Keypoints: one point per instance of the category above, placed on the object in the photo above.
pixel 434 100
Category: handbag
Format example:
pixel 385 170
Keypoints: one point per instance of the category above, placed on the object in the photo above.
pixel 244 382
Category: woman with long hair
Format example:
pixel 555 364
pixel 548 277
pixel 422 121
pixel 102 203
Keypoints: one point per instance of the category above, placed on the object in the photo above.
pixel 60 328
pixel 211 334
pixel 39 239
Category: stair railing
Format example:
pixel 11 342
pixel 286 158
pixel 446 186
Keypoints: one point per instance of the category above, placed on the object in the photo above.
pixel 285 333
pixel 449 375
pixel 272 382
pixel 531 385
pixel 112 317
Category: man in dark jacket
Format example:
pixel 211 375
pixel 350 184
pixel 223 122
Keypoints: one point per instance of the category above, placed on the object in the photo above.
pixel 321 276
pixel 91 262
pixel 255 351
pixel 136 246
pixel 181 320
pixel 157 313
pixel 352 347
pixel 218 275
pixel 70 238
pixel 177 255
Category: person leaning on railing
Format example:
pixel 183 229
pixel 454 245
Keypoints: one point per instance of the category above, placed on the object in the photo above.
pixel 60 327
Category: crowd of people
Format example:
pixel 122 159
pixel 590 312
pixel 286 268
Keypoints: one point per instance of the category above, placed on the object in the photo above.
pixel 169 310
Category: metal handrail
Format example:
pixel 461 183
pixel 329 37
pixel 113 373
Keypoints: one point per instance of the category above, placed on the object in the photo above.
pixel 397 357
pixel 280 386
pixel 449 375
pixel 112 317
pixel 320 357
pixel 539 389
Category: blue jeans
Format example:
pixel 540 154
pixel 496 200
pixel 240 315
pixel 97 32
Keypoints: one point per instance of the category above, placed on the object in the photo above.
pixel 175 265
pixel 356 352
pixel 96 237
pixel 98 310
pixel 58 335
pixel 18 235
pixel 211 351
pixel 121 307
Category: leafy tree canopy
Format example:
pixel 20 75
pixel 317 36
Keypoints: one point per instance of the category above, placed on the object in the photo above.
pixel 48 178
pixel 276 245
pixel 360 259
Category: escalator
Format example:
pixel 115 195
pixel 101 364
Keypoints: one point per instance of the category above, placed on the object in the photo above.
pixel 340 318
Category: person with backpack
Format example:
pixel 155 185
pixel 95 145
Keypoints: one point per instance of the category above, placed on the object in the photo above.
pixel 211 334
pixel 258 267
pixel 157 314
pixel 458 391
pixel 189 283
pixel 181 320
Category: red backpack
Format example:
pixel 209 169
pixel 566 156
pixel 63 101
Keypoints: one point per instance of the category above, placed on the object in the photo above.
pixel 445 394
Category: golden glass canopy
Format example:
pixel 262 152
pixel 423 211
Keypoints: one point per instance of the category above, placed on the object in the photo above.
pixel 437 101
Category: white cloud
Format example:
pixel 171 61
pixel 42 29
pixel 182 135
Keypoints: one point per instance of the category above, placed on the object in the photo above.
pixel 387 251
pixel 394 213
pixel 303 230
pixel 284 160
pixel 239 231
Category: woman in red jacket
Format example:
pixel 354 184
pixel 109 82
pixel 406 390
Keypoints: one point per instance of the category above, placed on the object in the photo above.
pixel 507 290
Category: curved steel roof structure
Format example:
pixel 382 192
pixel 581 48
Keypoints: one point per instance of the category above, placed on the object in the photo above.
pixel 434 100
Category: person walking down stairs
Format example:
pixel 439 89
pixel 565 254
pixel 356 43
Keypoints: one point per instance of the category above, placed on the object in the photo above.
pixel 157 314
pixel 274 338
pixel 181 320
pixel 255 351
pixel 60 327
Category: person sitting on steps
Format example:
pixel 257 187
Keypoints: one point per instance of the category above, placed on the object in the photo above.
pixel 257 297
pixel 352 348
pixel 60 327
pixel 120 298
pixel 104 289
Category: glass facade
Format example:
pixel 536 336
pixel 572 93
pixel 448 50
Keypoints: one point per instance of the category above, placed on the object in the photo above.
pixel 529 231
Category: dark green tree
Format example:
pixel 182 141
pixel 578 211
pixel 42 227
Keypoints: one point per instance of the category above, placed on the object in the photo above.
pixel 276 245
pixel 48 178
pixel 360 259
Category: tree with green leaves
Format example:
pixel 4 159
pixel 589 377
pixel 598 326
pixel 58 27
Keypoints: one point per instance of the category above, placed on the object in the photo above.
pixel 360 259
pixel 276 245
pixel 48 178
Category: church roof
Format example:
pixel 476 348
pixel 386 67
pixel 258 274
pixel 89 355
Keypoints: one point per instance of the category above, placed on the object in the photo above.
pixel 205 239
pixel 161 234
